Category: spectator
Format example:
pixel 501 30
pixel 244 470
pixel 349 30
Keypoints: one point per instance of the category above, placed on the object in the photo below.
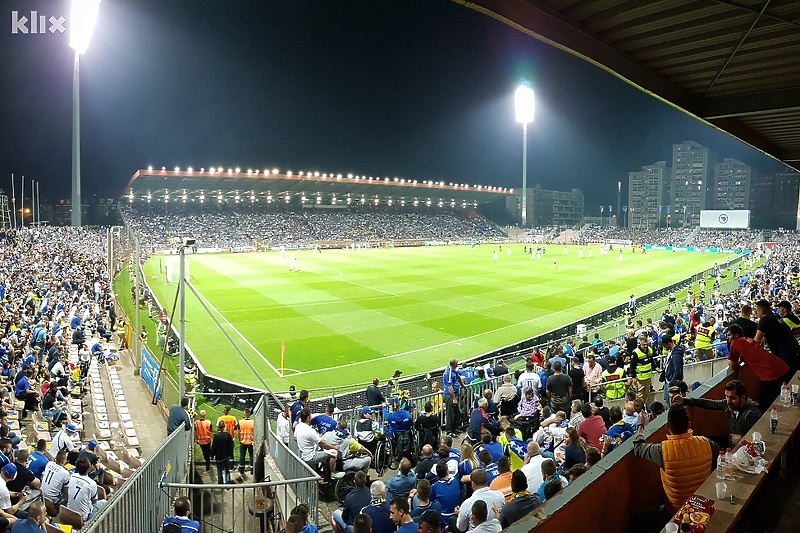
pixel 421 500
pixel 356 499
pixel 378 509
pixel 402 482
pixel 399 514
pixel 618 433
pixel 182 519
pixel 178 416
pixel 479 520
pixel 84 496
pixel 374 394
pixel 521 504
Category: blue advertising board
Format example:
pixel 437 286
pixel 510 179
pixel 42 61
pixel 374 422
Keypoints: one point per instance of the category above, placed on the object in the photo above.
pixel 149 372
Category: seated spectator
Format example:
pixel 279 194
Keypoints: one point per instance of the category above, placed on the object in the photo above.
pixel 552 488
pixel 533 467
pixel 356 499
pixel 618 433
pixel 55 480
pixel 522 503
pixel 685 460
pixel 25 479
pixel 181 522
pixel 39 458
pixel 446 491
pixel 25 392
pixel 378 509
pixel 84 496
pixel 421 500
pixel 402 482
pixel 480 522
pixel 574 452
pixel 302 512
pixel 488 465
pixel 488 443
pixel 427 462
pixel 502 483
pixel 576 471
pixel 592 427
pixel 399 513
pixel 427 424
pixel 549 473
pixel 429 522
pixel 480 492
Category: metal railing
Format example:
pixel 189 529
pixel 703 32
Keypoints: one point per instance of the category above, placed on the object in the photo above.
pixel 138 506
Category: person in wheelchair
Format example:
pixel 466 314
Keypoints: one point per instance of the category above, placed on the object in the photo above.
pixel 527 417
pixel 427 424
pixel 479 420
pixel 367 430
pixel 352 456
pixel 399 424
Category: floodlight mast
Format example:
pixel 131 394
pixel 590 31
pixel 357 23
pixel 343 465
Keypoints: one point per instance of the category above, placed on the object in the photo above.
pixel 524 104
pixel 83 16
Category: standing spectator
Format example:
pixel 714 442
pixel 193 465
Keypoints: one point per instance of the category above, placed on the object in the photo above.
pixel 222 449
pixel 673 364
pixel 374 394
pixel 202 434
pixel 749 328
pixel 578 378
pixel 771 370
pixel 777 335
pixel 285 424
pixel 593 373
pixel 559 389
pixel 452 381
pixel 246 429
pixel 178 416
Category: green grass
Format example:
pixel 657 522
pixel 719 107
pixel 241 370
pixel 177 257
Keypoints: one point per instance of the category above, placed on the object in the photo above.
pixel 348 316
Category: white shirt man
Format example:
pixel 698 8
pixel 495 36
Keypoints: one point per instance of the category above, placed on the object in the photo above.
pixel 54 478
pixel 63 440
pixel 533 467
pixel 308 442
pixel 284 428
pixel 493 498
pixel 82 494
pixel 529 379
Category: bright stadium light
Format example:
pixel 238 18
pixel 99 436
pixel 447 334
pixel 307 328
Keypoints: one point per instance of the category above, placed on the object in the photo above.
pixel 82 19
pixel 524 105
pixel 150 167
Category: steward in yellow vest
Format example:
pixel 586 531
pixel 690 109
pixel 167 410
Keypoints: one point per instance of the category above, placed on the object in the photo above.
pixel 685 460
pixel 614 380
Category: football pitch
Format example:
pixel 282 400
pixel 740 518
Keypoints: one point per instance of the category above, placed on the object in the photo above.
pixel 344 317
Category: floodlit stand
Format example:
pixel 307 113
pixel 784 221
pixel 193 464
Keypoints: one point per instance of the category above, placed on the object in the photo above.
pixel 5 213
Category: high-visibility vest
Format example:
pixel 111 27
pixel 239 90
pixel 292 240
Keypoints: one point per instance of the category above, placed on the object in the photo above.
pixel 202 431
pixel 615 385
pixel 644 369
pixel 230 424
pixel 703 338
pixel 246 431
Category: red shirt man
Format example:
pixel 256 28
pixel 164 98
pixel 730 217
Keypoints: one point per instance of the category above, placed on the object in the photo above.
pixel 592 428
pixel 765 366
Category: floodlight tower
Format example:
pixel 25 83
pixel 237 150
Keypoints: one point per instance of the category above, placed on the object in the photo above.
pixel 524 104
pixel 82 19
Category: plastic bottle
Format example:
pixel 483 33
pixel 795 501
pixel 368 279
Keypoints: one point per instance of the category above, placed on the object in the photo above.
pixel 721 465
pixel 773 420
pixel 785 395
pixel 728 464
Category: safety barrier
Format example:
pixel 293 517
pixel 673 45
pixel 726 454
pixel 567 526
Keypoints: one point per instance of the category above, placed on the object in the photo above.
pixel 137 506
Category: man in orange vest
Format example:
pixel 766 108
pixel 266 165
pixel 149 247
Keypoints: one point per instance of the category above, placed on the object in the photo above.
pixel 230 426
pixel 202 434
pixel 685 460
pixel 245 426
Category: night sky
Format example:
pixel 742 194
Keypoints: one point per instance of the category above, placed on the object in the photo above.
pixel 420 89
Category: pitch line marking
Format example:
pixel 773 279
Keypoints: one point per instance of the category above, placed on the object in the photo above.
pixel 456 341
pixel 228 323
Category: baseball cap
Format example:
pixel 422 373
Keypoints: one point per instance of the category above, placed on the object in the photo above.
pixel 92 444
pixel 365 410
pixel 72 428
pixel 431 518
pixel 10 471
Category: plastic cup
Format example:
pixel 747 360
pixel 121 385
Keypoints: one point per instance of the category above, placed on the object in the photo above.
pixel 722 490
pixel 796 389
pixel 671 527
pixel 756 436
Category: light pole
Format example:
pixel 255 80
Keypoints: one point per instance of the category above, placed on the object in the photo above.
pixel 82 18
pixel 524 104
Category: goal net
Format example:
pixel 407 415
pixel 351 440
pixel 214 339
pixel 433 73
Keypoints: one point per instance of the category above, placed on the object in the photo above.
pixel 173 267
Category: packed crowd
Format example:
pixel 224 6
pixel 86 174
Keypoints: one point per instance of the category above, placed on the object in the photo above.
pixel 226 227
pixel 737 239
pixel 547 424
pixel 55 293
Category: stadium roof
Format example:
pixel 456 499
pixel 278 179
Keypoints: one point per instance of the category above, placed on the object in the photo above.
pixel 732 63
pixel 159 185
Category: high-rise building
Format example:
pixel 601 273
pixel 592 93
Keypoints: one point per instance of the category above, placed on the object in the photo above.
pixel 774 201
pixel 551 208
pixel 692 165
pixel 732 184
pixel 648 197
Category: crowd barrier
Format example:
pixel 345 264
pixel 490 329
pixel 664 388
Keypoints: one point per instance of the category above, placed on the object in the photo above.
pixel 138 506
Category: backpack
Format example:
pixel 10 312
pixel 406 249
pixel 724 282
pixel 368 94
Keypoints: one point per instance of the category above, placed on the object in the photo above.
pixel 403 446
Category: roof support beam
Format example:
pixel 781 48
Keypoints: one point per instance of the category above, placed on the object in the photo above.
pixel 759 103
